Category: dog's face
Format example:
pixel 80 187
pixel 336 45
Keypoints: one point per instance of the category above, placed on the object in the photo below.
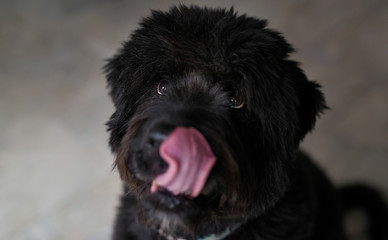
pixel 209 114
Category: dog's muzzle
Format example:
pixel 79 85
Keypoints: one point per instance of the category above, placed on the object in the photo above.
pixel 190 160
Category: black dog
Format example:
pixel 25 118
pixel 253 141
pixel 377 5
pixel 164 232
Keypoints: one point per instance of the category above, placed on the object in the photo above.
pixel 209 116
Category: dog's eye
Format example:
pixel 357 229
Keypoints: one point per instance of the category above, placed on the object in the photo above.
pixel 236 101
pixel 162 87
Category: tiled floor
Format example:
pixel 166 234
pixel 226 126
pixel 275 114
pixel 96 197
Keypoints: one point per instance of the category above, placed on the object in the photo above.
pixel 55 168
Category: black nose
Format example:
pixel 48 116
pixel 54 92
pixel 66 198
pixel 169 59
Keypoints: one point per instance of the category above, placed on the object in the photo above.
pixel 154 140
pixel 147 161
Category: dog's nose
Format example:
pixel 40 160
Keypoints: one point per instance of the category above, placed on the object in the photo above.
pixel 155 139
pixel 147 160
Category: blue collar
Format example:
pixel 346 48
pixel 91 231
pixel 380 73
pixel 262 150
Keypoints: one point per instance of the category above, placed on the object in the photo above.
pixel 222 235
pixel 219 236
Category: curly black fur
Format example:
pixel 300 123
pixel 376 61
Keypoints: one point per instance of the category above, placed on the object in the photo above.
pixel 261 182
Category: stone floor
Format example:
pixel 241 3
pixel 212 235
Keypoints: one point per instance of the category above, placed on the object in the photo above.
pixel 55 167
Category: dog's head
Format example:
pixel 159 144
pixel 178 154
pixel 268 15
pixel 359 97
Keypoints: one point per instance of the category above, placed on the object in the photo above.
pixel 209 115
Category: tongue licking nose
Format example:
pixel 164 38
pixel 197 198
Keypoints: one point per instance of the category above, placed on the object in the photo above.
pixel 190 160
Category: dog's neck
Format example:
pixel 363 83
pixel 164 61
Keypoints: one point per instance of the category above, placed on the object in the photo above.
pixel 218 236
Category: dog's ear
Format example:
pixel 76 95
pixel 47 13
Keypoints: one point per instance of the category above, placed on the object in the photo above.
pixel 118 76
pixel 114 69
pixel 311 105
pixel 310 100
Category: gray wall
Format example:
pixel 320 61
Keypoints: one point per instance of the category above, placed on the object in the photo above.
pixel 55 167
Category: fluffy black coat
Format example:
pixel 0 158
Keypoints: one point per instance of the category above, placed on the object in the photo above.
pixel 230 77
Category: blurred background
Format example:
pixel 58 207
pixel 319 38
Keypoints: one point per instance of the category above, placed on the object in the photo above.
pixel 56 178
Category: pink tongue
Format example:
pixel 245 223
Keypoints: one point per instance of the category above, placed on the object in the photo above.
pixel 190 160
